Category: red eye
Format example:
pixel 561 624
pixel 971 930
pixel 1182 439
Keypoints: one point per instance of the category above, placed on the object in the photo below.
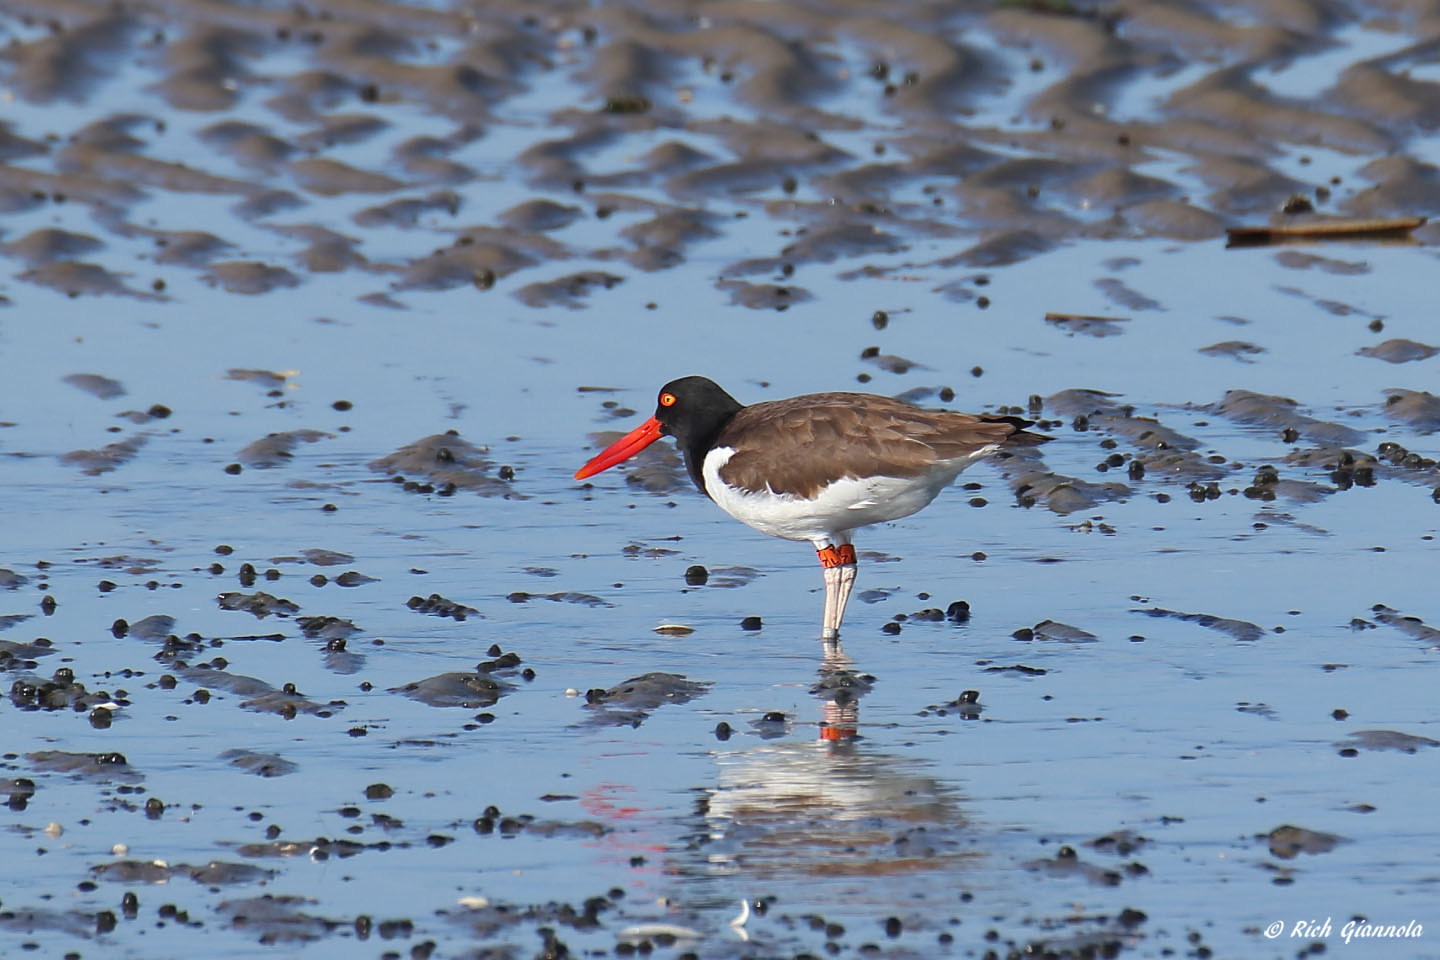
pixel 667 399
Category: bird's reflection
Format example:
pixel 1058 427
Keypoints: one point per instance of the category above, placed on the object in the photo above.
pixel 840 687
pixel 830 809
pixel 837 806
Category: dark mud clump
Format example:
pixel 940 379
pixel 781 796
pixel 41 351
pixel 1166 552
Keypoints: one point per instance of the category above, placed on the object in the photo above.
pixel 96 385
pixel 91 766
pixel 728 578
pixel 1067 863
pixel 1061 493
pixel 216 873
pixel 250 277
pixel 447 462
pixel 455 689
pixel 259 603
pixel 340 660
pixel 1409 625
pixel 966 706
pixel 1385 740
pixel 764 296
pixel 438 606
pixel 22 656
pixel 408 211
pixel 1161 452
pixel 889 362
pixel 1121 843
pixel 323 848
pixel 567 596
pixel 1268 485
pixel 321 557
pixel 188 248
pixel 261 696
pixel 354 578
pixel 1239 629
pixel 1282 413
pixel 1056 631
pixel 63 692
pixel 277 919
pixel 1016 669
pixel 260 764
pixel 629 703
pixel 331 178
pixel 278 449
pixel 1418 408
pixel 1089 326
pixel 75 279
pixel 567 291
pixel 156 626
pixel 264 378
pixel 1288 842
pixel 1399 351
pixel 50 245
pixel 1241 350
pixel 105 459
pixel 326 628
pixel 30 921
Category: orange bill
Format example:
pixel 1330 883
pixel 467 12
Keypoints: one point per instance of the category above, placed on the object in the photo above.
pixel 622 449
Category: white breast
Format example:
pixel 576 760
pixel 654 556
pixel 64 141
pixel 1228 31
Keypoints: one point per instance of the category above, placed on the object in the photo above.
pixel 843 505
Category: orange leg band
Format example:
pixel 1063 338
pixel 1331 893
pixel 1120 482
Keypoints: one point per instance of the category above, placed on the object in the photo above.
pixel 833 556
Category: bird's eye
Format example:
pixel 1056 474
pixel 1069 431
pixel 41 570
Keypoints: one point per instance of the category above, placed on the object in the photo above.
pixel 667 399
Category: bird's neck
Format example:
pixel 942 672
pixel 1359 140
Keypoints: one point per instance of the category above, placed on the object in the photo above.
pixel 694 446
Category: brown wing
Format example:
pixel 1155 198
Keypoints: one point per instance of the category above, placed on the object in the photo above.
pixel 799 445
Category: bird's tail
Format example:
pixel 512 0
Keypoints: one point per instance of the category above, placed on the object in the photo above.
pixel 1021 437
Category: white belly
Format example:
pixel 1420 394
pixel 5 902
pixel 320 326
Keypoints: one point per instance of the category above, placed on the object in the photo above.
pixel 841 506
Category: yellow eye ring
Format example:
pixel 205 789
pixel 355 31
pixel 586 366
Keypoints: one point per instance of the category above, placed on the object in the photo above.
pixel 667 399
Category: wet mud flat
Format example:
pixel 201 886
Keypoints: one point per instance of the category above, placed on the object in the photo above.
pixel 311 646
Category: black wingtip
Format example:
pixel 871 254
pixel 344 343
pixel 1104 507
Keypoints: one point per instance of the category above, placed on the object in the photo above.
pixel 1021 437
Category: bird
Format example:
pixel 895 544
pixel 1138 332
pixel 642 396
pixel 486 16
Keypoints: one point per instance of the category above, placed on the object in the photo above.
pixel 816 467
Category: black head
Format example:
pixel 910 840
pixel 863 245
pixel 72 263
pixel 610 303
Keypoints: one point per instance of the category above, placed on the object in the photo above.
pixel 693 409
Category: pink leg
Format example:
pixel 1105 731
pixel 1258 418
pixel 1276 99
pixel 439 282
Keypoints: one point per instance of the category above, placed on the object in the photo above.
pixel 840 568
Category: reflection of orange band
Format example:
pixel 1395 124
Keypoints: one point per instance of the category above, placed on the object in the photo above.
pixel 833 556
pixel 828 732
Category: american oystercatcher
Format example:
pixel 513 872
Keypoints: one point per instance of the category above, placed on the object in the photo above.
pixel 818 466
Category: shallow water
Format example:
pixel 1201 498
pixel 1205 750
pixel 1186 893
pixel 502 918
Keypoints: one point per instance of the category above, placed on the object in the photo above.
pixel 1198 715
